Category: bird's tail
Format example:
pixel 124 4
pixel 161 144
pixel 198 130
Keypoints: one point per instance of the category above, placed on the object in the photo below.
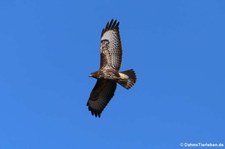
pixel 127 78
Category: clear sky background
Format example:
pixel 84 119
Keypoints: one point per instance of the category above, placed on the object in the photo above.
pixel 49 47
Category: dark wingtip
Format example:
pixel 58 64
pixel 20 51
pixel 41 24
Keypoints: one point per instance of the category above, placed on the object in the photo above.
pixel 95 113
pixel 111 25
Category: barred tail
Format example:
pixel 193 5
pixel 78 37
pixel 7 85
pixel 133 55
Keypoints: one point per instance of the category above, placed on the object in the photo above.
pixel 127 78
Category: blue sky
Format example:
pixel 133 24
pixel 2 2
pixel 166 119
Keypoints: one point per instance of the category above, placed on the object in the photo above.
pixel 48 48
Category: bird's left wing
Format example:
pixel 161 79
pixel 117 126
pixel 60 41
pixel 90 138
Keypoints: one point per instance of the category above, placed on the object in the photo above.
pixel 111 49
pixel 100 96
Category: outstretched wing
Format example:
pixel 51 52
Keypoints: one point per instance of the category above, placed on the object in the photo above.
pixel 111 49
pixel 100 96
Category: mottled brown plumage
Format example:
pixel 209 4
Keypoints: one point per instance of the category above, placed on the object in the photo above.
pixel 108 76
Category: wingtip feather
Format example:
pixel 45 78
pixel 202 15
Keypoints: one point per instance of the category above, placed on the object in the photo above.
pixel 111 25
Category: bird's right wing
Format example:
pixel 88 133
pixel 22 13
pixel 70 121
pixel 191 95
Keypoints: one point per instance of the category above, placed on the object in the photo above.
pixel 100 96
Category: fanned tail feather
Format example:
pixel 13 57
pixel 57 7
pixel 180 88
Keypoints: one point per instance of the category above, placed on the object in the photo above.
pixel 128 78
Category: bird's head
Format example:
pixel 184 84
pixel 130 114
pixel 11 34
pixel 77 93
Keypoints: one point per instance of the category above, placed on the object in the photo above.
pixel 93 75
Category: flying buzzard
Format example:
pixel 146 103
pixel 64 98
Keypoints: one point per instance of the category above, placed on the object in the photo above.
pixel 108 75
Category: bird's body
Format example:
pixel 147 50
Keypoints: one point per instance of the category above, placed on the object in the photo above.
pixel 108 74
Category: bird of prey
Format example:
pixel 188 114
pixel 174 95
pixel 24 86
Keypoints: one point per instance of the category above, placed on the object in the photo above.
pixel 108 74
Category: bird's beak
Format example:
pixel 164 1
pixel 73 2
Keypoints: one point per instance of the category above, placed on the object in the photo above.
pixel 90 75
